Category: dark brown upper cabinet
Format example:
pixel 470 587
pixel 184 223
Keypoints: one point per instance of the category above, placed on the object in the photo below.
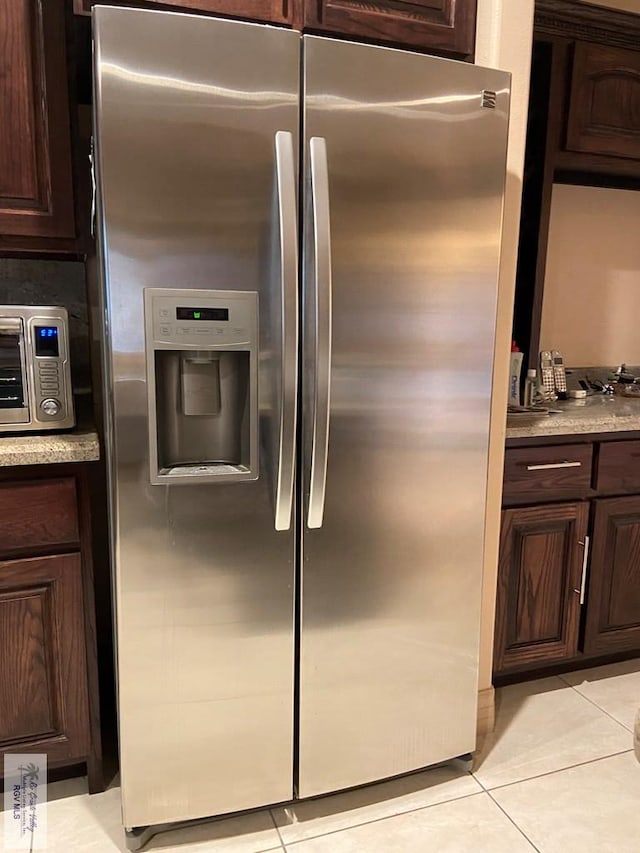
pixel 270 11
pixel 604 107
pixel 446 26
pixel 437 26
pixel 583 128
pixel 36 179
pixel 586 101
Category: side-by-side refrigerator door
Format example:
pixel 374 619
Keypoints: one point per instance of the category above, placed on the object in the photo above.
pixel 404 179
pixel 196 125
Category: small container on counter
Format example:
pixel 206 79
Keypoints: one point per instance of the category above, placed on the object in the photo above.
pixel 530 388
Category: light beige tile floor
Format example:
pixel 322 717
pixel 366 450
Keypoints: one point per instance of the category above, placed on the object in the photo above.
pixel 557 776
pixel 615 689
pixel 544 726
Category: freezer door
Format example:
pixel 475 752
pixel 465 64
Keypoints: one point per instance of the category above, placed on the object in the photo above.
pixel 404 178
pixel 196 124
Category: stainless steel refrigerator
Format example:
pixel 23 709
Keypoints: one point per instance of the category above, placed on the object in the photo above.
pixel 299 239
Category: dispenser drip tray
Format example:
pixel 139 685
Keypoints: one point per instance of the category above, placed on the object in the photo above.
pixel 200 470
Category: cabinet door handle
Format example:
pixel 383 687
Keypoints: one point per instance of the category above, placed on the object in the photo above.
pixel 547 466
pixel 583 578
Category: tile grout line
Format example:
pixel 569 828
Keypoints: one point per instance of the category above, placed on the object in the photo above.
pixel 511 820
pixel 552 772
pixel 379 819
pixel 508 816
pixel 634 661
pixel 599 707
pixel 277 828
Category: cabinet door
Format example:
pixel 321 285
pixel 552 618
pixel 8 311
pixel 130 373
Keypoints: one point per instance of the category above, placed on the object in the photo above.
pixel 439 25
pixel 613 603
pixel 36 184
pixel 604 110
pixel 271 11
pixel 43 688
pixel 539 579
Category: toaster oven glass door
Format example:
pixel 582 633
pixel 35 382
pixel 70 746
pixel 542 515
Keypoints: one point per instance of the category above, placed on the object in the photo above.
pixel 13 405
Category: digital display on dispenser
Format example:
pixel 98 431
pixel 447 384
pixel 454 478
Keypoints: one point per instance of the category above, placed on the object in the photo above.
pixel 202 314
pixel 46 340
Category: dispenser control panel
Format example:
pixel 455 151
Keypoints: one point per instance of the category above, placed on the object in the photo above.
pixel 202 385
pixel 203 318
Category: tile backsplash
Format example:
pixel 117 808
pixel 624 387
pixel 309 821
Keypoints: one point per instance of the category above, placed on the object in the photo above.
pixel 41 282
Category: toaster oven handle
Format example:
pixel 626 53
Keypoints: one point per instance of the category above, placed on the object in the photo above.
pixel 10 326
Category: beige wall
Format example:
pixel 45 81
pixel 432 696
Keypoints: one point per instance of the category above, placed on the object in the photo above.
pixel 592 283
pixel 504 39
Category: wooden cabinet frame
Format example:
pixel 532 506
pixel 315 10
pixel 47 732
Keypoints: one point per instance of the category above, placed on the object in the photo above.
pixel 271 11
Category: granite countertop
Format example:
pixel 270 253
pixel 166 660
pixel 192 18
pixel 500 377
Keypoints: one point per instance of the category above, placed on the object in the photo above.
pixel 78 445
pixel 595 414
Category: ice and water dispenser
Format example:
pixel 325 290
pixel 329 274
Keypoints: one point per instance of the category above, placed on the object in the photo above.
pixel 202 351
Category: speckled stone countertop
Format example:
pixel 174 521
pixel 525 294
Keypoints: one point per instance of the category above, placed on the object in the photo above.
pixel 596 414
pixel 78 445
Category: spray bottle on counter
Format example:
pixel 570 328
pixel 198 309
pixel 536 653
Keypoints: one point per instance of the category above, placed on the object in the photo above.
pixel 515 367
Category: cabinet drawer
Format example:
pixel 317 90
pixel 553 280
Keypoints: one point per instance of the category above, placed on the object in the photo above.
pixel 555 471
pixel 619 466
pixel 38 514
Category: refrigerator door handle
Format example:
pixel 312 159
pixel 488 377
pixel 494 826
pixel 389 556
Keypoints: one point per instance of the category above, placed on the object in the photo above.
pixel 322 327
pixel 287 214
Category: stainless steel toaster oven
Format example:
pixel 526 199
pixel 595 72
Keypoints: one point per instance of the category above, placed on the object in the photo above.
pixel 35 379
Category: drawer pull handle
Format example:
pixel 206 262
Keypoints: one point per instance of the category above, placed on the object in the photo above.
pixel 583 578
pixel 547 466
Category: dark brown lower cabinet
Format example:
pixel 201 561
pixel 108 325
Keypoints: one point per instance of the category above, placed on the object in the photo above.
pixel 613 608
pixel 49 696
pixel 539 578
pixel 43 685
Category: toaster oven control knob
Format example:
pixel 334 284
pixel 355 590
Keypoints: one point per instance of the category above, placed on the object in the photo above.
pixel 50 407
